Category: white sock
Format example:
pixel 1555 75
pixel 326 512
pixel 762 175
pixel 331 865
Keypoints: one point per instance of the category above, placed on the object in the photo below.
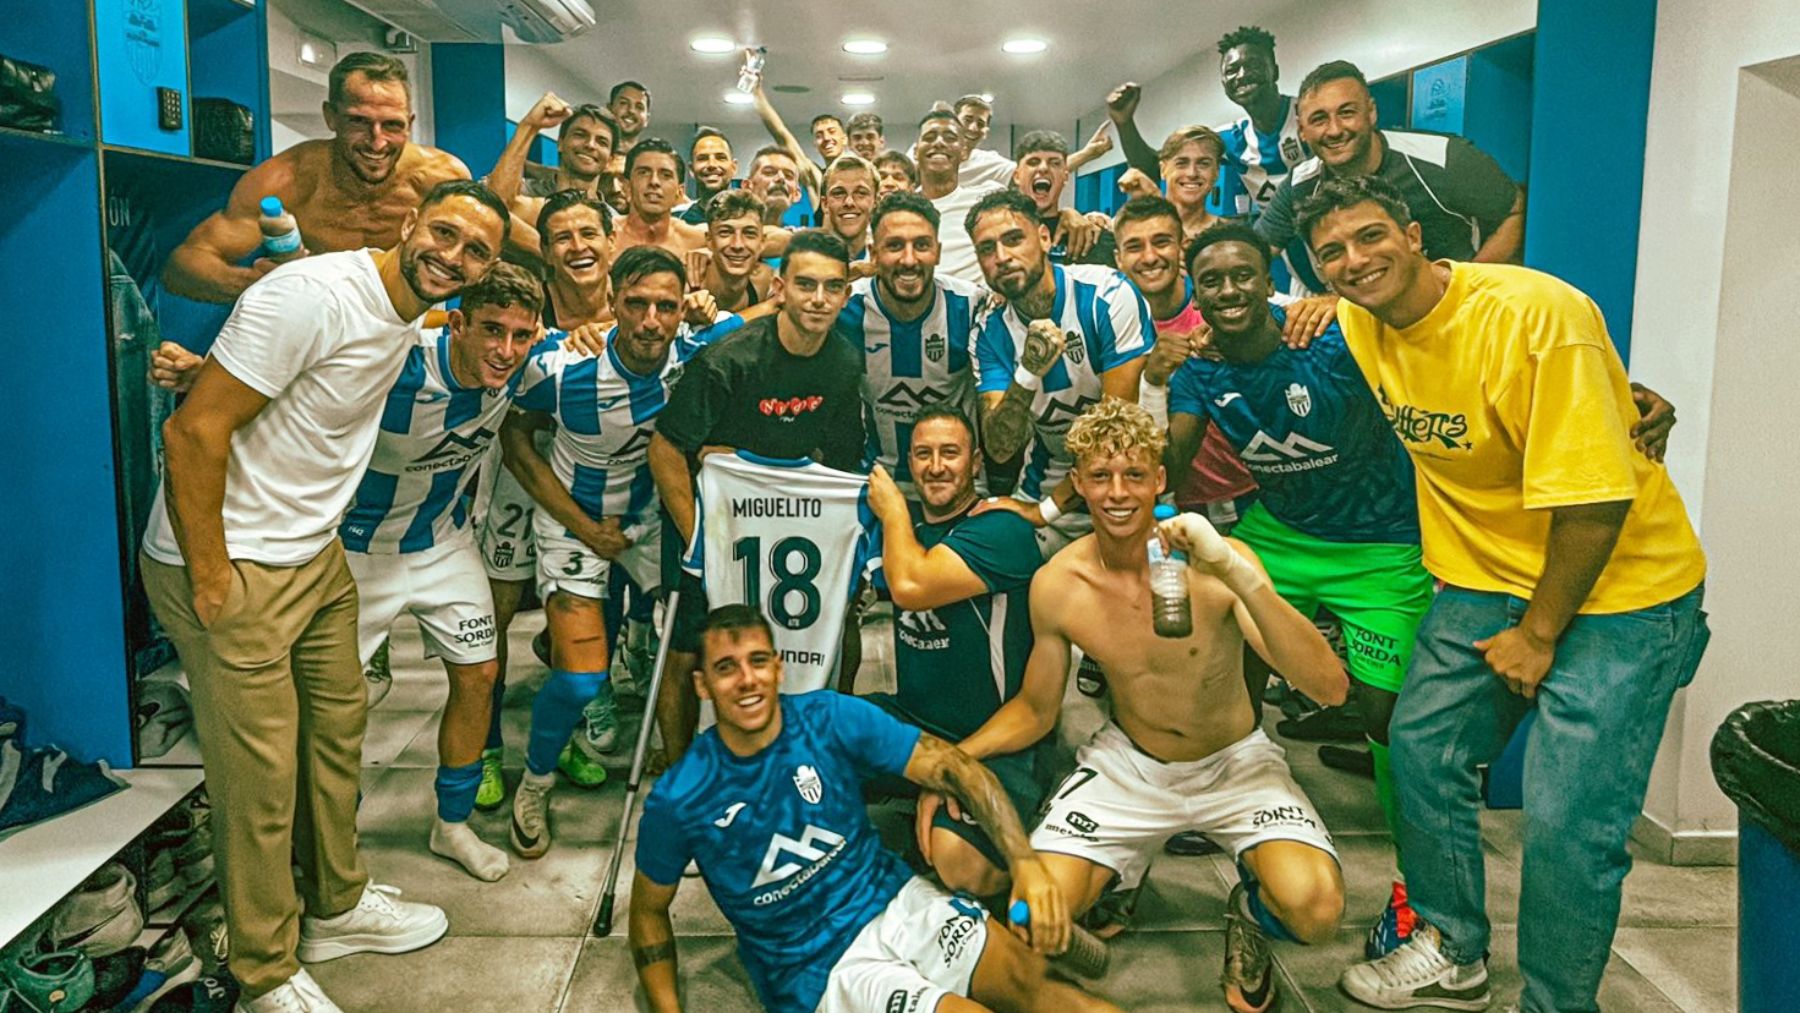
pixel 458 843
pixel 537 782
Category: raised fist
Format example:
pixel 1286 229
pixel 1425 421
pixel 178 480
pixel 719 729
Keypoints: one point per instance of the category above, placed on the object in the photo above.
pixel 1122 102
pixel 1043 346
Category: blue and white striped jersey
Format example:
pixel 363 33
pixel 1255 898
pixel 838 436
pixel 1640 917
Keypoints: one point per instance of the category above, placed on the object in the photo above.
pixel 1261 161
pixel 432 430
pixel 909 366
pixel 1107 324
pixel 605 416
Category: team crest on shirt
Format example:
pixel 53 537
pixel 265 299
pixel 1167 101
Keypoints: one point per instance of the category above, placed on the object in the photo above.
pixel 1074 347
pixel 806 779
pixel 934 347
pixel 1299 400
pixel 1291 151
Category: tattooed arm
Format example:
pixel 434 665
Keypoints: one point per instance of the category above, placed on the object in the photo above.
pixel 940 766
pixel 653 943
pixel 1006 423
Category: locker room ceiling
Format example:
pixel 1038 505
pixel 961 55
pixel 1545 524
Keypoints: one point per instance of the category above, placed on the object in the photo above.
pixel 937 49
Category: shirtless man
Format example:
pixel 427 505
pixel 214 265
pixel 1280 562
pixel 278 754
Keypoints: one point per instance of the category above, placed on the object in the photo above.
pixel 654 177
pixel 585 139
pixel 734 272
pixel 349 193
pixel 1183 749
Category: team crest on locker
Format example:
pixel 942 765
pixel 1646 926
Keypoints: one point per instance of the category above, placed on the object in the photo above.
pixel 934 347
pixel 806 779
pixel 1299 400
pixel 1074 347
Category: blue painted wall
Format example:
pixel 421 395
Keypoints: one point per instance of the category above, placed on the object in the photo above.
pixel 468 95
pixel 1591 100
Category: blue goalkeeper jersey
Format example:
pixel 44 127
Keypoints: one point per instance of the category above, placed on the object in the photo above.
pixel 782 838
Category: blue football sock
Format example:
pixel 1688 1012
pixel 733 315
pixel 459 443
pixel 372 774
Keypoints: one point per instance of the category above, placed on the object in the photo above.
pixel 555 713
pixel 1265 918
pixel 493 740
pixel 456 788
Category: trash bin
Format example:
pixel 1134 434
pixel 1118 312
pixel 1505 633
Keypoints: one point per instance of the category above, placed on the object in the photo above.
pixel 1756 760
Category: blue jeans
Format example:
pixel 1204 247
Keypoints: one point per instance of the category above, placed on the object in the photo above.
pixel 1587 765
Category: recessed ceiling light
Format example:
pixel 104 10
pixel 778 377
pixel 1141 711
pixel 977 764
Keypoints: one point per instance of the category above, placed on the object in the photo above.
pixel 865 47
pixel 1021 47
pixel 987 96
pixel 712 44
pixel 858 98
pixel 738 98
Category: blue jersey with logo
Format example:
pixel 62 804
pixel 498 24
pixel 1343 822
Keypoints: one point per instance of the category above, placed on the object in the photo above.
pixel 432 429
pixel 1107 324
pixel 782 838
pixel 911 365
pixel 1307 426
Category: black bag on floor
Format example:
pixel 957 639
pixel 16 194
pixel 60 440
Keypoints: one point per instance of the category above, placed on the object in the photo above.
pixel 28 96
pixel 1756 760
pixel 224 131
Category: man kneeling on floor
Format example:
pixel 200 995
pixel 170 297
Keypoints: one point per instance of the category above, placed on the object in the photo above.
pixel 769 804
pixel 1183 751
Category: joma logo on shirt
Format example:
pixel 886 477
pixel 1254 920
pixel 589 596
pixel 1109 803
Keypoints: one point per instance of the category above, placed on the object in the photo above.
pixel 1419 425
pixel 793 406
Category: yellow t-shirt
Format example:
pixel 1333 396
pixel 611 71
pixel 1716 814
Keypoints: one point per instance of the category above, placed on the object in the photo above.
pixel 1512 400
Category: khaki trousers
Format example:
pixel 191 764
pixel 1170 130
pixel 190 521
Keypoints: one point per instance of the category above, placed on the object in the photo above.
pixel 279 707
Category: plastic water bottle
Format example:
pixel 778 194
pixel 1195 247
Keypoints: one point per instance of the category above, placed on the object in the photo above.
pixel 751 74
pixel 1087 954
pixel 281 233
pixel 1168 586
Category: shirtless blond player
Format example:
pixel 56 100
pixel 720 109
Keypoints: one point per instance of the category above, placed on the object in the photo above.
pixel 1183 750
pixel 349 193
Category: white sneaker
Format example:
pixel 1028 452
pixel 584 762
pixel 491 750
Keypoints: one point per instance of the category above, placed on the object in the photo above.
pixel 377 924
pixel 1419 973
pixel 299 994
pixel 531 815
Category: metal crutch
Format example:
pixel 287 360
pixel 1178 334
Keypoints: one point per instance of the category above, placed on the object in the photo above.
pixel 603 922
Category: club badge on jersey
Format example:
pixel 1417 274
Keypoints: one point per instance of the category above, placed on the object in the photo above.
pixel 791 538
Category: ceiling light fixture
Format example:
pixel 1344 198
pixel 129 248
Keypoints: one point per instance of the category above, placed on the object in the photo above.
pixel 712 45
pixel 858 98
pixel 865 47
pixel 987 96
pixel 738 98
pixel 1024 47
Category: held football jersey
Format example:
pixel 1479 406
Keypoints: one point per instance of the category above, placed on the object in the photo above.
pixel 432 430
pixel 909 366
pixel 1306 425
pixel 1106 324
pixel 782 838
pixel 790 538
pixel 605 416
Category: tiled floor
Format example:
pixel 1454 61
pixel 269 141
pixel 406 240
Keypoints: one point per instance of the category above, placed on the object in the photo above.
pixel 523 944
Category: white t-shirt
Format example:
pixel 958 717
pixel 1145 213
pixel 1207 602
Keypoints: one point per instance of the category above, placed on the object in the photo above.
pixel 956 257
pixel 985 168
pixel 320 338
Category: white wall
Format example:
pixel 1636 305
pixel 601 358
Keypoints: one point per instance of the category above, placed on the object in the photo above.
pixel 296 90
pixel 1379 36
pixel 1717 255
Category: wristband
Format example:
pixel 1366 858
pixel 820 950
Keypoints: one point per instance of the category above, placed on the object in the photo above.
pixel 1027 379
pixel 1048 509
pixel 1155 400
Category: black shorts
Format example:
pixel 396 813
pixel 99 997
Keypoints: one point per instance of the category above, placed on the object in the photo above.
pixel 1016 772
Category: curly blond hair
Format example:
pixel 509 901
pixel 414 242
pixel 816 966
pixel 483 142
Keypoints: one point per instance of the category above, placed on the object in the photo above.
pixel 1115 427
